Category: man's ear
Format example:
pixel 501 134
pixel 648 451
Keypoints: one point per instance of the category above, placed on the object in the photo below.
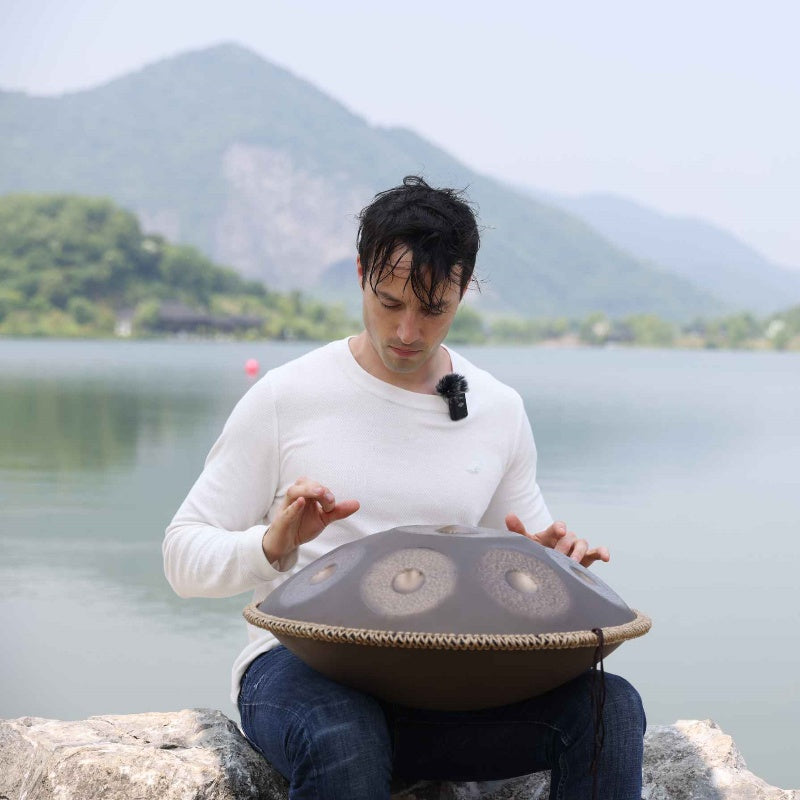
pixel 360 271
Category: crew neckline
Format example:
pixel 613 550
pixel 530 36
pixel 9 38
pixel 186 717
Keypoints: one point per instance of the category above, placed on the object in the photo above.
pixel 388 391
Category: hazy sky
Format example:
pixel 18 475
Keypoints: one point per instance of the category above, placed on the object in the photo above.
pixel 690 107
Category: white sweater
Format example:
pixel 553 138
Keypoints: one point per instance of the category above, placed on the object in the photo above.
pixel 397 452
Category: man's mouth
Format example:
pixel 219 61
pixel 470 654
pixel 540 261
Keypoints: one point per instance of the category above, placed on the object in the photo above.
pixel 403 352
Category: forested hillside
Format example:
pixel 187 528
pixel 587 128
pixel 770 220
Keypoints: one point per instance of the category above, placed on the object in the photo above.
pixel 82 266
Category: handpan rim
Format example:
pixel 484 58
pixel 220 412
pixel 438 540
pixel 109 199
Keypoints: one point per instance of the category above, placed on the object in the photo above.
pixel 563 640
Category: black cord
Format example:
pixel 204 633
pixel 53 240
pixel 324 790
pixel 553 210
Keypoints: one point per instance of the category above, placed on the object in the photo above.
pixel 598 690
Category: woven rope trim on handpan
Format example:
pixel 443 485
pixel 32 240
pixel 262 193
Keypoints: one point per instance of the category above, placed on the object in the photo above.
pixel 447 641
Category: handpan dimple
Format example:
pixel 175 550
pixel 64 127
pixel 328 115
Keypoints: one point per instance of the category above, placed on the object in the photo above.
pixel 325 573
pixel 522 581
pixel 582 574
pixel 447 616
pixel 410 581
pixel 522 584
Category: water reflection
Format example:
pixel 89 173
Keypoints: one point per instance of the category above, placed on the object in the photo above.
pixel 64 427
pixel 99 442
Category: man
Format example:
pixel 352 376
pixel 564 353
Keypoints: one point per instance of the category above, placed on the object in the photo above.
pixel 352 439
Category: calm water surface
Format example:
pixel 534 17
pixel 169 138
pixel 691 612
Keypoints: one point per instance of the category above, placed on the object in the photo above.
pixel 686 464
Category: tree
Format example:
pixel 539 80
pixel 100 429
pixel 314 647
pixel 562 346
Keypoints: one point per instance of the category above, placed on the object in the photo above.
pixel 467 327
pixel 648 330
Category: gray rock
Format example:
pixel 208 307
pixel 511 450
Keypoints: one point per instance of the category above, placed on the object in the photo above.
pixel 695 760
pixel 164 756
pixel 200 754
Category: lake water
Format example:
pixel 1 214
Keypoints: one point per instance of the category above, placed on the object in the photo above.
pixel 686 464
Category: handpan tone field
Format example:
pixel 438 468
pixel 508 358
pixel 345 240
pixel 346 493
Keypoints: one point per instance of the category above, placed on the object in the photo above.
pixel 447 617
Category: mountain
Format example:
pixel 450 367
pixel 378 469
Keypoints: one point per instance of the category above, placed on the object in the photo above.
pixel 262 171
pixel 703 253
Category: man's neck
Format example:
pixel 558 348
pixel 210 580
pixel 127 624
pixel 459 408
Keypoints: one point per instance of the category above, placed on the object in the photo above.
pixel 422 381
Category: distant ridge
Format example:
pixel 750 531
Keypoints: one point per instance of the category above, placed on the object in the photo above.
pixel 697 250
pixel 221 149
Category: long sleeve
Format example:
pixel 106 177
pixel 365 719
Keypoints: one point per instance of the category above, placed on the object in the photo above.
pixel 212 547
pixel 518 491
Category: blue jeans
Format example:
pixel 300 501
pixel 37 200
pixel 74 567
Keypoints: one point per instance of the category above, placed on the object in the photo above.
pixel 332 742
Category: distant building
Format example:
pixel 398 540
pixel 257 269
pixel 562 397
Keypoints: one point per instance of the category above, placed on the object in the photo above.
pixel 175 317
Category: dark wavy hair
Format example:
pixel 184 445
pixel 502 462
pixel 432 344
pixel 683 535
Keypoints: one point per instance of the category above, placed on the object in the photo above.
pixel 436 227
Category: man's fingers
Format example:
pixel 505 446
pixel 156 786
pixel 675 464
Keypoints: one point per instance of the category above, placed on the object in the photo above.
pixel 564 541
pixel 311 490
pixel 292 517
pixel 326 500
pixel 595 554
pixel 514 524
pixel 303 487
pixel 579 550
pixel 552 536
pixel 341 510
pixel 284 534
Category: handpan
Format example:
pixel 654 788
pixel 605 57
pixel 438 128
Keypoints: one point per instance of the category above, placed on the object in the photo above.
pixel 450 617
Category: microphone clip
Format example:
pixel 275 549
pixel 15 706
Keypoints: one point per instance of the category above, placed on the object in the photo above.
pixel 453 388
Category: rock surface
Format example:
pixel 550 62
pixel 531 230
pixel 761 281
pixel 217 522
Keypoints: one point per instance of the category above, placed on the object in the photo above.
pixel 200 754
pixel 170 756
pixel 695 760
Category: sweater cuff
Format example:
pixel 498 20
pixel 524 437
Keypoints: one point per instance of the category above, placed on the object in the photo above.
pixel 253 555
pixel 287 562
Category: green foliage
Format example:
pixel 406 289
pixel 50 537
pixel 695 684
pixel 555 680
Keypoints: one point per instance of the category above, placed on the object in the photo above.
pixel 783 330
pixel 734 331
pixel 296 317
pixel 468 327
pixel 146 316
pixel 69 265
pixel 83 311
pixel 649 330
pixel 10 300
pixel 791 319
pixel 184 269
pixel 780 331
pixel 515 330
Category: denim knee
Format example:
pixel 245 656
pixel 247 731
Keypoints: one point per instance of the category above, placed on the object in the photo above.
pixel 623 705
pixel 623 715
pixel 345 744
pixel 357 724
pixel 322 736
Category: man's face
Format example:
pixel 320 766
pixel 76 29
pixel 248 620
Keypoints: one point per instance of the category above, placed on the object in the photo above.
pixel 403 334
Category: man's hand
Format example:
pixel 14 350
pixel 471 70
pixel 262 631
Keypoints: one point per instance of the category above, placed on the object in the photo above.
pixel 559 538
pixel 307 508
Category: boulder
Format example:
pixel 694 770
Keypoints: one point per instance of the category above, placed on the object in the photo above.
pixel 196 753
pixel 200 754
pixel 695 760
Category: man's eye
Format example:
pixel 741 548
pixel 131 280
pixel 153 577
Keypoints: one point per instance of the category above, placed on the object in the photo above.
pixel 433 312
pixel 390 307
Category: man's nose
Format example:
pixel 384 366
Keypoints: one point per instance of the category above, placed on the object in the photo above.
pixel 408 329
